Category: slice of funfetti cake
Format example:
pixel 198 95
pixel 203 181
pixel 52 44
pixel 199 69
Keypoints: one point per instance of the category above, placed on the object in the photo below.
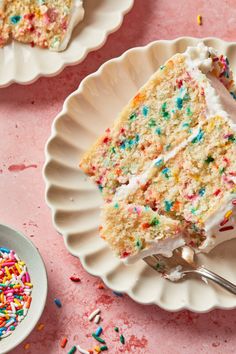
pixel 185 174
pixel 44 23
pixel 161 116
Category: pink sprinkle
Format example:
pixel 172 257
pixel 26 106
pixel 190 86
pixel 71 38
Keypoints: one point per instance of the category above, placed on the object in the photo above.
pixel 226 228
pixel 234 201
pixel 27 277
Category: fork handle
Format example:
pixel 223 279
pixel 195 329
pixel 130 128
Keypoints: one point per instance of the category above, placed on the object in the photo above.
pixel 214 277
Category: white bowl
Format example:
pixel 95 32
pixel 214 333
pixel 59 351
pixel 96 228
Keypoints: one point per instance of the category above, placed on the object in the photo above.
pixel 75 201
pixel 23 64
pixel 25 249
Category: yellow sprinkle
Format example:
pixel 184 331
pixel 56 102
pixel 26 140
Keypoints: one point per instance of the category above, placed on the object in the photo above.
pixel 7 317
pixel 17 302
pixel 97 349
pixel 40 327
pixel 16 286
pixel 26 346
pixel 2 298
pixel 18 267
pixel 199 20
pixel 7 272
pixel 4 279
pixel 29 284
pixel 228 214
pixel 21 263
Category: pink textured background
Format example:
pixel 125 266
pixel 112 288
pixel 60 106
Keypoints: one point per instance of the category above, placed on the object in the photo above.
pixel 26 115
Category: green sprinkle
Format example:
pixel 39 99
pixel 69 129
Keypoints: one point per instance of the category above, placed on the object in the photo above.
pixel 188 111
pixel 160 267
pixel 122 339
pixel 133 116
pixel 113 150
pixel 99 339
pixel 155 222
pixel 15 19
pixel 12 328
pixel 165 172
pixel 116 329
pixel 186 97
pixel 198 137
pixel 231 138
pixel 222 170
pixel 209 159
pixel 116 205
pixel 139 244
pixel 152 123
pixel 167 147
pixel 159 162
pixel 201 191
pixel 165 114
pixel 193 210
pixel 73 350
pixel 104 347
pixel 19 312
pixel 185 125
pixel 162 67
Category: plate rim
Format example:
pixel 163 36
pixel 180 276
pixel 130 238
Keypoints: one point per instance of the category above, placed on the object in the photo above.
pixel 68 63
pixel 48 158
pixel 45 294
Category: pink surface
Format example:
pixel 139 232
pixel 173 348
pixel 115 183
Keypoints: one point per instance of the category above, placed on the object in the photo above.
pixel 26 115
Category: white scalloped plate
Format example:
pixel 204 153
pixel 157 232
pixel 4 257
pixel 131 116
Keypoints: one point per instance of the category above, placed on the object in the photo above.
pixel 75 201
pixel 22 64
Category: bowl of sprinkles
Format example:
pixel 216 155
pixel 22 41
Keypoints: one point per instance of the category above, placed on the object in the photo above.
pixel 23 287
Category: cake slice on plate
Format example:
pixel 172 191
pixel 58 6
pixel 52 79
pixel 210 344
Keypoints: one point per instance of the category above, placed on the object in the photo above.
pixel 47 23
pixel 171 156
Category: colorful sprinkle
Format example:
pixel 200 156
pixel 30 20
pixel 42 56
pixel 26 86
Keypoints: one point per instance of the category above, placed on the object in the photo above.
pixel 26 346
pixel 202 192
pixel 63 342
pixel 226 228
pixel 179 102
pixel 228 214
pixel 15 19
pixel 199 20
pixel 104 347
pixel 168 205
pixel 198 137
pixel 97 319
pixel 15 291
pixel 145 111
pixel 93 314
pixel 99 339
pixel 58 302
pixel 122 339
pixel 164 113
pixel 73 350
pixel 75 278
pixel 98 331
pixel 117 293
pixel 40 327
pixel 209 159
pixel 116 329
pixel 81 350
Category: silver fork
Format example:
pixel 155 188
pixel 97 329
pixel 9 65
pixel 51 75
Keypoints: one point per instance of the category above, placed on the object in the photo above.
pixel 166 265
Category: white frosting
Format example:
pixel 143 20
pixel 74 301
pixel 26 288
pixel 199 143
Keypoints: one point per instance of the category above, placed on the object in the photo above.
pixel 175 274
pixel 76 16
pixel 187 254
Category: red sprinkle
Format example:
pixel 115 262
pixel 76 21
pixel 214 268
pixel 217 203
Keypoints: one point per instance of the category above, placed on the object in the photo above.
pixel 145 225
pixel 63 342
pixel 101 286
pixel 224 222
pixel 226 228
pixel 217 192
pixel 234 201
pixel 75 278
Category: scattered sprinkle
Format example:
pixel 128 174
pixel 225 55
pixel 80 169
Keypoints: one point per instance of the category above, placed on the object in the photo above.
pixel 145 111
pixel 104 347
pixel 40 327
pixel 97 349
pixel 198 137
pixel 226 228
pixel 116 292
pixel 209 159
pixel 234 201
pixel 101 286
pixel 97 319
pixel 179 102
pixel 122 339
pixel 58 302
pixel 26 346
pixel 75 278
pixel 228 214
pixel 15 19
pixel 199 20
pixel 98 331
pixel 81 350
pixel 63 342
pixel 93 314
pixel 73 350
pixel 116 329
pixel 99 339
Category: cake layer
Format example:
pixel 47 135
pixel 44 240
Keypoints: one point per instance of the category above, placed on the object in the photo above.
pixel 47 24
pixel 133 229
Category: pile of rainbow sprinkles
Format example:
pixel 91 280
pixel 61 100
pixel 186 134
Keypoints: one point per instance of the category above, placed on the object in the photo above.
pixel 15 291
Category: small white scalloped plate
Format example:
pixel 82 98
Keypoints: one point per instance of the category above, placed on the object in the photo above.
pixel 22 64
pixel 75 201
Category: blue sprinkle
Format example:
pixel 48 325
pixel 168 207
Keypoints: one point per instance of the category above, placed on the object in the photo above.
pixel 15 19
pixel 179 102
pixel 98 331
pixel 145 111
pixel 165 172
pixel 201 192
pixel 158 131
pixel 5 250
pixel 168 205
pixel 159 162
pixel 58 302
pixel 117 293
pixel 100 187
pixel 137 138
pixel 233 94
pixel 198 137
pixel 185 125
